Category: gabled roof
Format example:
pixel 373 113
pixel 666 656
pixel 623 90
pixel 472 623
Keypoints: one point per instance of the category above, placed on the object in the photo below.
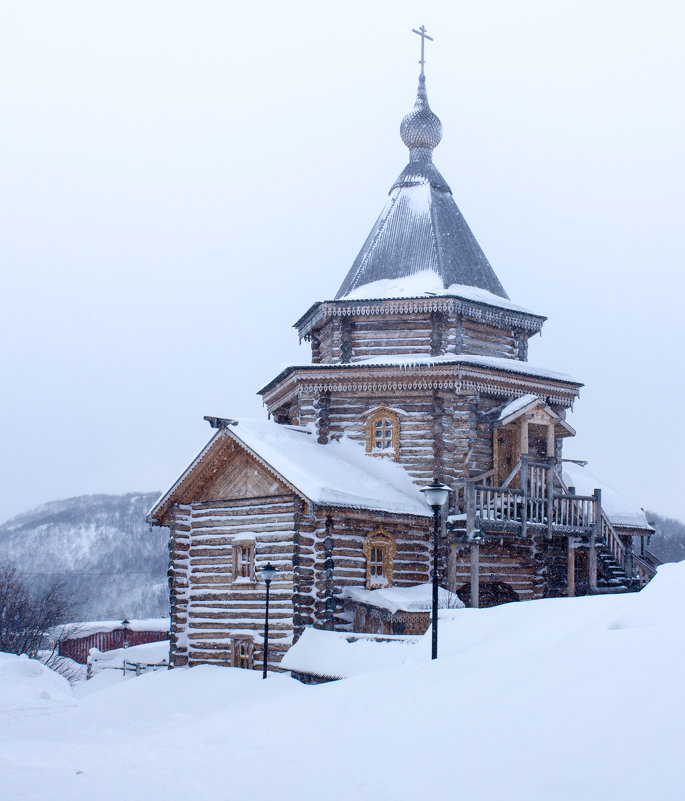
pixel 421 229
pixel 525 405
pixel 337 474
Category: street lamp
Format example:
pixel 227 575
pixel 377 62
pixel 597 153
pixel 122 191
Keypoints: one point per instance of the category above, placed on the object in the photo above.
pixel 268 572
pixel 124 625
pixel 436 493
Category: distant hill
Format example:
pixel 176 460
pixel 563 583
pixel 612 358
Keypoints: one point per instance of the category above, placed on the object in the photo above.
pixel 101 545
pixel 668 541
pixel 117 567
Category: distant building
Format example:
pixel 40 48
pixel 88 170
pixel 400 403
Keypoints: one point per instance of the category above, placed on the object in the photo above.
pixel 419 370
pixel 108 635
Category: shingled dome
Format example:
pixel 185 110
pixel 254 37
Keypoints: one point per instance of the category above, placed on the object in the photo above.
pixel 421 228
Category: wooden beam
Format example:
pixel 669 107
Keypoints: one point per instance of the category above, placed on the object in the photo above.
pixel 524 437
pixel 594 537
pixel 550 440
pixel 571 567
pixel 475 573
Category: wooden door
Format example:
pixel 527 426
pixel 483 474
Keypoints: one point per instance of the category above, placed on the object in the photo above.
pixel 507 451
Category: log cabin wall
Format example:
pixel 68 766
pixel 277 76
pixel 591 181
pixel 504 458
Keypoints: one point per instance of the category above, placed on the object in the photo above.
pixel 354 338
pixel 521 563
pixel 178 575
pixel 220 605
pixel 347 562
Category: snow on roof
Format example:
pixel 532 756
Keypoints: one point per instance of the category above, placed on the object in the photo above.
pixel 411 360
pixel 619 510
pixel 428 283
pixel 517 405
pixel 418 598
pixel 150 653
pixel 336 474
pixel 338 655
pixel 496 362
pixel 85 629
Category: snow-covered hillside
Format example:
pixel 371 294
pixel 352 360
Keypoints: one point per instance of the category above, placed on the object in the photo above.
pixel 102 545
pixel 553 700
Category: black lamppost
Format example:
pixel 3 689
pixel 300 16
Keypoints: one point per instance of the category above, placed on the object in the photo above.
pixel 124 625
pixel 436 493
pixel 268 572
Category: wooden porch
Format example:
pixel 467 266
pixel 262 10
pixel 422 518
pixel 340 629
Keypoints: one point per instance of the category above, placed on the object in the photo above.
pixel 533 499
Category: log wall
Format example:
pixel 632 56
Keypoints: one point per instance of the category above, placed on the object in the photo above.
pixel 354 338
pixel 219 607
pixel 179 547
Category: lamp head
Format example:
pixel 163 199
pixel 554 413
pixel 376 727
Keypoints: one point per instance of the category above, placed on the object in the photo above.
pixel 268 572
pixel 436 494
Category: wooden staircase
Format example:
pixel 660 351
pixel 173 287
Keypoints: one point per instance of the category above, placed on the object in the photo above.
pixel 542 502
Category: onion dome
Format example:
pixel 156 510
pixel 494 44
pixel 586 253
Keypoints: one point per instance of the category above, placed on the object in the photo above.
pixel 421 129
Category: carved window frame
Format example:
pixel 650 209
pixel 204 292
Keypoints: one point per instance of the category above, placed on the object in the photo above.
pixel 375 543
pixel 242 652
pixel 243 560
pixel 381 414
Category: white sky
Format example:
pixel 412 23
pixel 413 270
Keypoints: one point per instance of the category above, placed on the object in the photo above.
pixel 180 181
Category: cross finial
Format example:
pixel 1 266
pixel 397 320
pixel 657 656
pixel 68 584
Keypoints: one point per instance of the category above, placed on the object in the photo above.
pixel 422 33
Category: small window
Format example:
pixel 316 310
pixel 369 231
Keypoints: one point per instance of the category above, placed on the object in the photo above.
pixel 383 434
pixel 242 652
pixel 243 560
pixel 379 549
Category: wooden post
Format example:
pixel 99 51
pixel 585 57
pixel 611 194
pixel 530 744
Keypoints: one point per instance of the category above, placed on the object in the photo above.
pixel 550 441
pixel 470 508
pixel 475 572
pixel 524 438
pixel 594 538
pixel 571 567
pixel 524 487
pixel 550 497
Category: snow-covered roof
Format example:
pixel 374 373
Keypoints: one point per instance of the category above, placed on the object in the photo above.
pixel 86 628
pixel 418 598
pixel 619 510
pixel 336 474
pixel 427 283
pixel 525 403
pixel 339 655
pixel 517 405
pixel 409 361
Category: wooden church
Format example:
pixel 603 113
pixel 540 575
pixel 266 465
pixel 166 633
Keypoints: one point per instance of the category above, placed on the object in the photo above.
pixel 419 370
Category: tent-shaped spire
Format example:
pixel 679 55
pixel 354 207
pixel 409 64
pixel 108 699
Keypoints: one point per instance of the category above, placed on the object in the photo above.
pixel 421 229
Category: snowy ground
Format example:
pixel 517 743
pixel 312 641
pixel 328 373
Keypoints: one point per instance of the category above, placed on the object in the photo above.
pixel 558 699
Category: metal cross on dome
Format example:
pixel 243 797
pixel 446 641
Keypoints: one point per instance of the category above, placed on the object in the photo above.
pixel 422 33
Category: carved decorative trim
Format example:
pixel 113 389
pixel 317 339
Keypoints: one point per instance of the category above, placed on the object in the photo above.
pixel 471 309
pixel 379 538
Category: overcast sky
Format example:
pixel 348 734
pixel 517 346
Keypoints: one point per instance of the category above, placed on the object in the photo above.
pixel 179 182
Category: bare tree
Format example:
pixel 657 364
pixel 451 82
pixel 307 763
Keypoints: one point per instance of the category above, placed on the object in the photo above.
pixel 27 615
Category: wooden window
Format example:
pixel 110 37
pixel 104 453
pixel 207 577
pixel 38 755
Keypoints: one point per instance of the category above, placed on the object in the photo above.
pixel 379 549
pixel 383 434
pixel 243 560
pixel 241 656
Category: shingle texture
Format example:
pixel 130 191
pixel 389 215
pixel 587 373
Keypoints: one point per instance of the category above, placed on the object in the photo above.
pixel 421 227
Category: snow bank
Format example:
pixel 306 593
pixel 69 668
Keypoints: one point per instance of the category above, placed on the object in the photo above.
pixel 336 655
pixel 539 701
pixel 28 684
